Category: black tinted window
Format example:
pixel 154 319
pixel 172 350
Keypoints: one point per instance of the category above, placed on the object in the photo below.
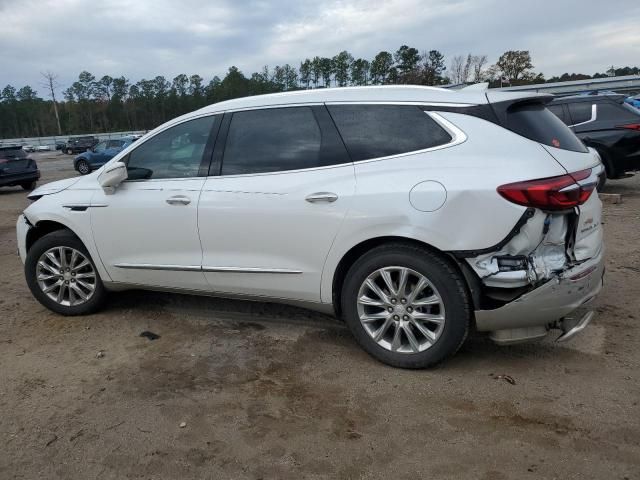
pixel 615 112
pixel 371 131
pixel 174 153
pixel 272 140
pixel 537 123
pixel 558 111
pixel 580 112
pixel 10 153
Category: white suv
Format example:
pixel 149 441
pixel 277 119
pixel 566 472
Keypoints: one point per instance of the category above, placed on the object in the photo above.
pixel 414 213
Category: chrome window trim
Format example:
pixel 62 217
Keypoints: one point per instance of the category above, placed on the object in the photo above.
pixel 594 116
pixel 457 137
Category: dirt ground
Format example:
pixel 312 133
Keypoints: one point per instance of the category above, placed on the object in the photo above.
pixel 269 391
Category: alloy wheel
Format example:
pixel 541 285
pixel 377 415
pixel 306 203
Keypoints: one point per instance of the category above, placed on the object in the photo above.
pixel 83 167
pixel 66 276
pixel 401 310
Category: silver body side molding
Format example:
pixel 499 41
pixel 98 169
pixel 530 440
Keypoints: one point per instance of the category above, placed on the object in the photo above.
pixel 198 268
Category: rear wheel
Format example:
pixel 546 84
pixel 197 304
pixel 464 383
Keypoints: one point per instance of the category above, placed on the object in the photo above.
pixel 406 306
pixel 28 185
pixel 83 167
pixel 62 276
pixel 69 151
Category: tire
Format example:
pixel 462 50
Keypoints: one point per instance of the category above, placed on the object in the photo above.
pixel 444 286
pixel 69 151
pixel 28 186
pixel 83 167
pixel 72 303
pixel 602 181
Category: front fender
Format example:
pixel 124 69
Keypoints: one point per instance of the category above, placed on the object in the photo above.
pixel 55 208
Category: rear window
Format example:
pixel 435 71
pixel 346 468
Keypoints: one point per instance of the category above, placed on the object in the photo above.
pixel 535 122
pixel 615 111
pixel 12 152
pixel 373 131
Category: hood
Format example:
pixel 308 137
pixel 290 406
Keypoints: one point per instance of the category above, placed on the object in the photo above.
pixel 53 187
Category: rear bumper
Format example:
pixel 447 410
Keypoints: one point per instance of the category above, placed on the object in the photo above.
pixel 7 180
pixel 550 302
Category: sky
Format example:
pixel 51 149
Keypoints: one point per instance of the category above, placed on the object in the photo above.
pixel 145 38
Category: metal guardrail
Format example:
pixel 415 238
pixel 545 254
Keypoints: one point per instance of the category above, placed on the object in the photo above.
pixel 52 141
pixel 628 84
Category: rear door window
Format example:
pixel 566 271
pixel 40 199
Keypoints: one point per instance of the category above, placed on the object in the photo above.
pixel 373 131
pixel 280 139
pixel 536 122
pixel 580 112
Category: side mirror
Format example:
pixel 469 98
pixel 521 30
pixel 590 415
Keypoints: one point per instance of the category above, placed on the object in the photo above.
pixel 112 176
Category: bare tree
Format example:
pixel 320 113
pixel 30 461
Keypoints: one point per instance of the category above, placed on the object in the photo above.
pixel 479 61
pixel 51 84
pixel 456 69
pixel 466 70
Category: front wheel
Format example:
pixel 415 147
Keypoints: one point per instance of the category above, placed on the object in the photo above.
pixel 83 167
pixel 28 185
pixel 406 306
pixel 69 151
pixel 62 276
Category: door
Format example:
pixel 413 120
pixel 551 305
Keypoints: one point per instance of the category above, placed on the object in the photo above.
pixel 147 232
pixel 268 218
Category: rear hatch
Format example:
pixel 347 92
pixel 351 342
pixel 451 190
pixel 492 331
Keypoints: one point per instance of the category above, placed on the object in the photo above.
pixel 564 226
pixel 12 159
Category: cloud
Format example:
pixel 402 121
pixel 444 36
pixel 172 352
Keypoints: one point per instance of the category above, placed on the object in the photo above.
pixel 146 38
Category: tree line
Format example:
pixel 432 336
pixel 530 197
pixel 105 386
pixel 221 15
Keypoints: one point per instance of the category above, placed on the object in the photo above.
pixel 108 104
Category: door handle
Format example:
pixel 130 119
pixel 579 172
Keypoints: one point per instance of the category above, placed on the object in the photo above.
pixel 320 197
pixel 178 200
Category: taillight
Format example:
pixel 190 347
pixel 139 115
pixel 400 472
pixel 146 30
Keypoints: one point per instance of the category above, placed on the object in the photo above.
pixel 630 126
pixel 554 193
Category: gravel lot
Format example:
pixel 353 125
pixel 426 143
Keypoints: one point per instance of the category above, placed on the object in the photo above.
pixel 268 391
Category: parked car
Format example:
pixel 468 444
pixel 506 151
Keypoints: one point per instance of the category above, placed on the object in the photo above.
pixel 80 144
pixel 43 148
pixel 16 168
pixel 633 101
pixel 61 145
pixel 29 148
pixel 415 214
pixel 100 154
pixel 606 123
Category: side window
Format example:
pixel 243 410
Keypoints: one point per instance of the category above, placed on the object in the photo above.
pixel 114 144
pixel 558 111
pixel 371 131
pixel 273 140
pixel 100 147
pixel 174 153
pixel 580 112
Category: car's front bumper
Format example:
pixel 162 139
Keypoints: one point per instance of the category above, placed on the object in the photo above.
pixel 22 228
pixel 10 179
pixel 550 302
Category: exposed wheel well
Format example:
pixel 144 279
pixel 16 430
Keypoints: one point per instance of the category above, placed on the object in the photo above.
pixel 360 249
pixel 41 229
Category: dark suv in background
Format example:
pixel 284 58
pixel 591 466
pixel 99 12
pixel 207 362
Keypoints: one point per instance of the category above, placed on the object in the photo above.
pixel 16 168
pixel 606 123
pixel 79 144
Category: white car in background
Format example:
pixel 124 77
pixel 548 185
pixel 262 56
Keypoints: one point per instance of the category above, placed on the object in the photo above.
pixel 415 214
